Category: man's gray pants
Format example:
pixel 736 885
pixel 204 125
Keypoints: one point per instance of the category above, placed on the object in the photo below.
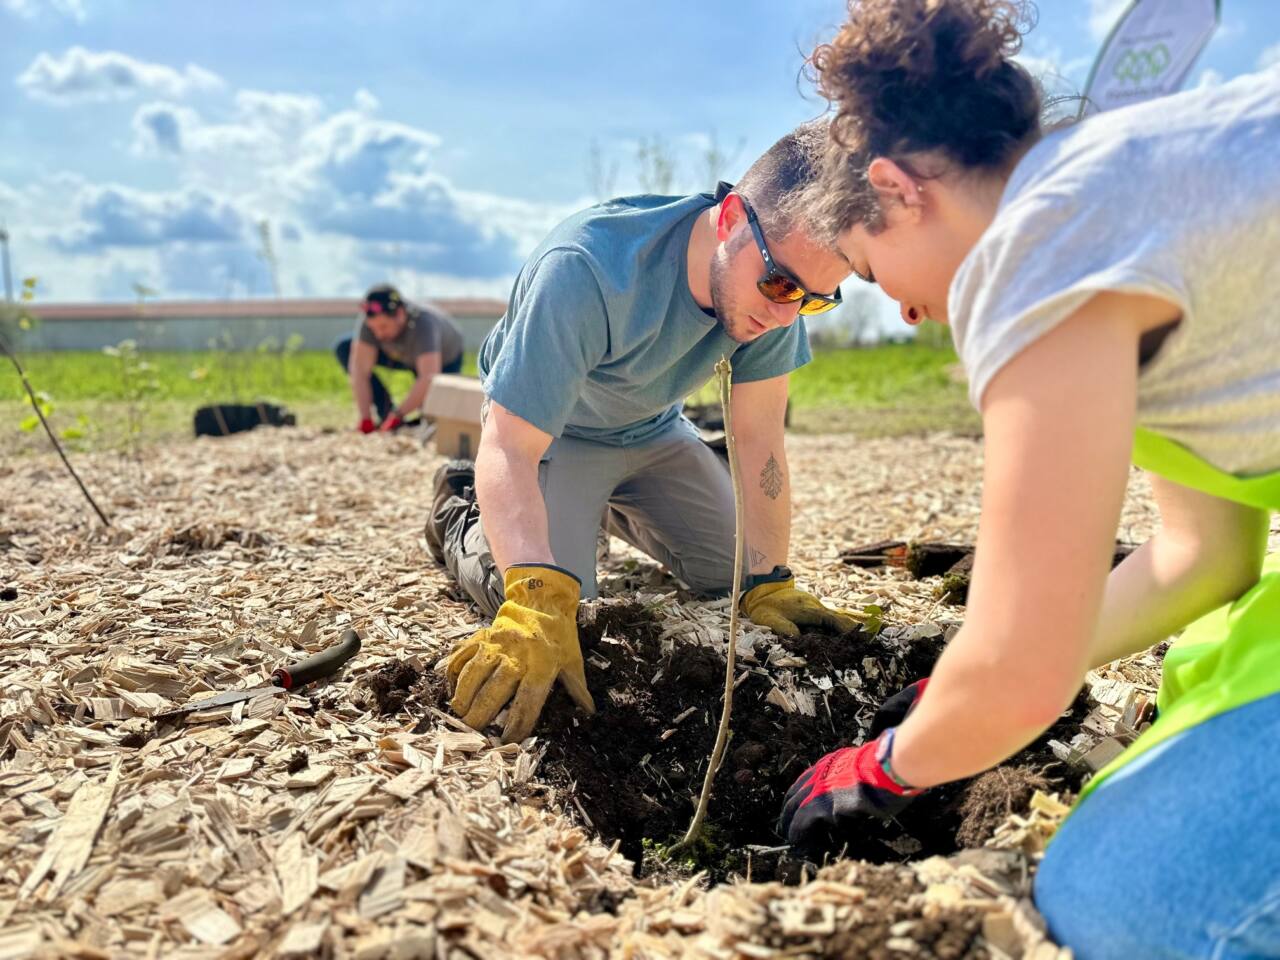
pixel 671 497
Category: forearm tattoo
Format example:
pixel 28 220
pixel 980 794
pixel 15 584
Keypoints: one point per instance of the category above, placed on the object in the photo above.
pixel 771 478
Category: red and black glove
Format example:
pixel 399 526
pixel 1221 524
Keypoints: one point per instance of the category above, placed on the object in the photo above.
pixel 898 707
pixel 393 420
pixel 843 786
pixel 366 426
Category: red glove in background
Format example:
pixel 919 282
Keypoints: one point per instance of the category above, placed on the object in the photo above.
pixel 393 420
pixel 366 426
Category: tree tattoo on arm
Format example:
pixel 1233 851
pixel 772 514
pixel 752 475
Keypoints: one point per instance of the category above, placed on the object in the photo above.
pixel 757 558
pixel 771 478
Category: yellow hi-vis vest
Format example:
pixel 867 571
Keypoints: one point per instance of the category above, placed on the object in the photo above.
pixel 1231 656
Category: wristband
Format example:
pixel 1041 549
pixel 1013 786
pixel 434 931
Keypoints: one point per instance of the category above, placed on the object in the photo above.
pixel 548 566
pixel 884 756
pixel 778 574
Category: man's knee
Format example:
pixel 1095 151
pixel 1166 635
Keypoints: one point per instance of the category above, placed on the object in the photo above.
pixel 456 538
pixel 711 576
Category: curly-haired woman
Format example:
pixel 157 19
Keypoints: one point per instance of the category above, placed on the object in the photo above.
pixel 1105 281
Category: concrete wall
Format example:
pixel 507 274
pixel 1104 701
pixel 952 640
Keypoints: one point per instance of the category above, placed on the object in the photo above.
pixel 154 331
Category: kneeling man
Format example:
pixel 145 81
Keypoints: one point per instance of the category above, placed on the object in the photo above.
pixel 619 314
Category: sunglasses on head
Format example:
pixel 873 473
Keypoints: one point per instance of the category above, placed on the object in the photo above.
pixel 779 286
pixel 375 308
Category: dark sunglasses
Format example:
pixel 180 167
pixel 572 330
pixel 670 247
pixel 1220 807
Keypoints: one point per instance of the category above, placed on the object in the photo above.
pixel 781 287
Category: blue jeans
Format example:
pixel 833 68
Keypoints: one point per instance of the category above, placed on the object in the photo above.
pixel 1178 854
pixel 381 398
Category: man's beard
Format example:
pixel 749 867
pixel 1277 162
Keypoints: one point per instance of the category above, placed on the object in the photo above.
pixel 722 301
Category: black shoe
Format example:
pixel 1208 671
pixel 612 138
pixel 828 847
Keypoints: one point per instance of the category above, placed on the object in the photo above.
pixel 454 478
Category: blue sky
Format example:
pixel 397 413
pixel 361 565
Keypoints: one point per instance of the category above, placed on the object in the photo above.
pixel 433 142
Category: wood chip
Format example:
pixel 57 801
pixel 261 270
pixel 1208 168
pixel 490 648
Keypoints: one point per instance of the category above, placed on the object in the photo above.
pixel 385 893
pixel 406 784
pixel 68 850
pixel 298 872
pixel 270 828
pixel 205 920
pixel 309 777
pixel 304 939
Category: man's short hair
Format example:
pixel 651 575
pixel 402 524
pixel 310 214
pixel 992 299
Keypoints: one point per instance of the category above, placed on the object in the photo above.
pixel 775 184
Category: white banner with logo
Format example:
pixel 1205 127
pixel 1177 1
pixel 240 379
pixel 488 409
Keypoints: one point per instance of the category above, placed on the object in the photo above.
pixel 1149 52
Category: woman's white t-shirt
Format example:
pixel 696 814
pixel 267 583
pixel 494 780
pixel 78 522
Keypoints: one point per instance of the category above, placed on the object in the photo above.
pixel 1179 198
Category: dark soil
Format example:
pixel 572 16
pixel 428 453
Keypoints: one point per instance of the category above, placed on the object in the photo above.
pixel 636 773
pixel 8 593
pixel 933 559
pixel 401 687
pixel 392 686
pixel 299 761
pixel 955 582
pixel 992 796
pixel 825 653
pixel 136 739
pixel 197 539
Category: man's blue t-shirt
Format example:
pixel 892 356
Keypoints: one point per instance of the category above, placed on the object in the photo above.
pixel 602 339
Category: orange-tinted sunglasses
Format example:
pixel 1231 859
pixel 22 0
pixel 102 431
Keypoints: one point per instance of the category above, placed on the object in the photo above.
pixel 779 286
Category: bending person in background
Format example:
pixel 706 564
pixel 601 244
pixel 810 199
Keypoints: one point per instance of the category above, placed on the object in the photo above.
pixel 398 335
pixel 1111 280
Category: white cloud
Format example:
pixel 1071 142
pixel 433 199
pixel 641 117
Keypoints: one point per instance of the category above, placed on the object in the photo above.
pixel 204 269
pixel 1209 77
pixel 29 9
pixel 108 215
pixel 366 102
pixel 526 221
pixel 287 114
pixel 80 76
pixel 160 128
pixel 1103 15
pixel 261 133
pixel 357 154
pixel 353 198
pixel 1269 57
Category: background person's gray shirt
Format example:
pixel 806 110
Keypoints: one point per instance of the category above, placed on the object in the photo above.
pixel 427 329
pixel 602 339
pixel 1178 198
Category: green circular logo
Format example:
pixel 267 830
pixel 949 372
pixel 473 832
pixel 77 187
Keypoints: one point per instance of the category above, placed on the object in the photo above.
pixel 1137 65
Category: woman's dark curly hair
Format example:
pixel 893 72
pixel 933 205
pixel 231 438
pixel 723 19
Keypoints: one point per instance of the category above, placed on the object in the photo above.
pixel 910 76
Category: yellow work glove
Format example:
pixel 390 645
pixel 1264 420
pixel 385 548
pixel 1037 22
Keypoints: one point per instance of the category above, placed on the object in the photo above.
pixel 778 605
pixel 532 642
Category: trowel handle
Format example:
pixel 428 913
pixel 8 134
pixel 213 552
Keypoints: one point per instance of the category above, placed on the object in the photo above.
pixel 318 665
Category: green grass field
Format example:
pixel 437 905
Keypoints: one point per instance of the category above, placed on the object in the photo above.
pixel 887 390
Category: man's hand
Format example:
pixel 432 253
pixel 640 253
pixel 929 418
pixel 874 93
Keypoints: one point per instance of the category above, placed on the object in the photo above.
pixel 782 608
pixel 393 420
pixel 831 795
pixel 366 425
pixel 898 707
pixel 533 642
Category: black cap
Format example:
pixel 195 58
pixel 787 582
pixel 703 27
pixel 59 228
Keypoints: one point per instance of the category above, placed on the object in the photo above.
pixel 383 298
